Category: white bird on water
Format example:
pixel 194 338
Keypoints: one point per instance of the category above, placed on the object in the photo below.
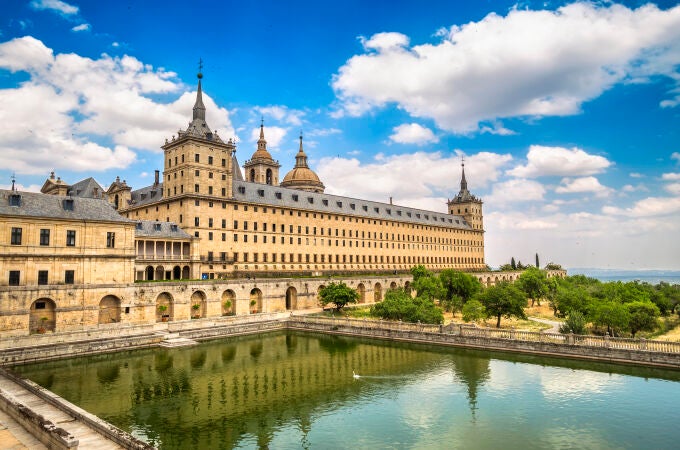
pixel 355 375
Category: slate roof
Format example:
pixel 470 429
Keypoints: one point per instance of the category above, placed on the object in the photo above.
pixel 85 188
pixel 147 194
pixel 238 176
pixel 154 229
pixel 325 203
pixel 37 205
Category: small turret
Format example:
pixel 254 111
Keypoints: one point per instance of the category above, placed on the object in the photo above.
pixel 302 177
pixel 261 167
pixel 467 205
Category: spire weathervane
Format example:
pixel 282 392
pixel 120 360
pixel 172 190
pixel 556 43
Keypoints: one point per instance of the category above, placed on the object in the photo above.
pixel 200 67
pixel 14 178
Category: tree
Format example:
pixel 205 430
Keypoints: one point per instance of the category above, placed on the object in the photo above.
pixel 512 263
pixel 419 272
pixel 459 284
pixel 643 316
pixel 538 266
pixel 533 282
pixel 399 305
pixel 339 294
pixel 503 300
pixel 428 286
pixel 571 298
pixel 553 266
pixel 613 315
pixel 473 311
pixel 575 323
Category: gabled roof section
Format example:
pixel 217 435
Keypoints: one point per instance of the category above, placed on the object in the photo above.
pixel 165 230
pixel 87 188
pixel 148 194
pixel 58 207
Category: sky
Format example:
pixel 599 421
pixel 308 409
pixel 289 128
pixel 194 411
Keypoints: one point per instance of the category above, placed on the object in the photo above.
pixel 567 113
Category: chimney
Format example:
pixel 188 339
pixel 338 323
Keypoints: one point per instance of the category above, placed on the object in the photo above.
pixel 155 178
pixel 390 200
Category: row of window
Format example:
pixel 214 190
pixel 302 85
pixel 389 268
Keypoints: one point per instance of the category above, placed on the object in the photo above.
pixel 43 277
pixel 359 259
pixel 16 237
pixel 197 158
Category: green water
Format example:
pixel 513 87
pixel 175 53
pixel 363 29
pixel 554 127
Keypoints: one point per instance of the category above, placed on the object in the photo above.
pixel 294 390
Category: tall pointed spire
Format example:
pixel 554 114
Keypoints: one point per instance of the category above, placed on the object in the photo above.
pixel 463 181
pixel 199 107
pixel 301 157
pixel 262 143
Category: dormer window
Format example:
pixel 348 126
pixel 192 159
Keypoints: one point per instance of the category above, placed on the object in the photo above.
pixel 138 226
pixel 365 207
pixel 173 227
pixel 325 202
pixel 389 211
pixel 241 189
pixel 376 210
pixel 278 195
pixel 310 199
pixel 68 204
pixel 295 197
pixel 418 215
pixel 339 204
pixel 408 214
pixel 15 200
pixel 260 192
pixel 157 226
pixel 352 205
pixel 399 212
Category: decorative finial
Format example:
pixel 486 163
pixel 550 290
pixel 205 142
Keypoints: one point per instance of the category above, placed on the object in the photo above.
pixel 462 160
pixel 14 178
pixel 200 68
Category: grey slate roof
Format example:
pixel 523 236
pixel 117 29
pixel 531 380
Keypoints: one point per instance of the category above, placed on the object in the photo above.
pixel 86 188
pixel 325 203
pixel 147 194
pixel 52 206
pixel 154 229
pixel 238 175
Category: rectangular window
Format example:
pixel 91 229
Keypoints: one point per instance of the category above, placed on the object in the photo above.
pixel 197 157
pixel 44 236
pixel 42 276
pixel 110 240
pixel 210 236
pixel 210 190
pixel 16 236
pixel 196 221
pixel 70 238
pixel 14 276
pixel 196 188
pixel 210 160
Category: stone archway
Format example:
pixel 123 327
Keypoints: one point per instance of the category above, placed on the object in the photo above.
pixel 377 292
pixel 109 309
pixel 361 290
pixel 407 287
pixel 160 273
pixel 176 273
pixel 228 303
pixel 43 316
pixel 393 285
pixel 269 178
pixel 165 307
pixel 198 305
pixel 186 274
pixel 255 304
pixel 318 294
pixel 149 273
pixel 291 298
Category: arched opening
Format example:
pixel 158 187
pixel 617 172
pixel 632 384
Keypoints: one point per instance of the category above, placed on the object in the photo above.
pixel 252 175
pixel 176 273
pixel 160 273
pixel 115 201
pixel 164 307
pixel 377 292
pixel 393 285
pixel 291 298
pixel 109 309
pixel 269 177
pixel 198 305
pixel 407 286
pixel 228 303
pixel 361 290
pixel 149 273
pixel 318 294
pixel 43 316
pixel 185 273
pixel 255 301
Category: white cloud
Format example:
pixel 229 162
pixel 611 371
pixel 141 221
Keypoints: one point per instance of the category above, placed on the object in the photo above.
pixel 420 179
pixel 282 113
pixel 354 152
pixel 413 133
pixel 92 111
pixel 323 132
pixel 670 176
pixel 582 185
pixel 516 190
pixel 648 207
pixel 673 188
pixel 20 187
pixel 675 155
pixel 273 136
pixel 527 63
pixel 558 161
pixel 57 6
pixel 639 187
pixel 635 175
pixel 81 27
pixel 496 127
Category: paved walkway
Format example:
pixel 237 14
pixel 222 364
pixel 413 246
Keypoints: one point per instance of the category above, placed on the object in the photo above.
pixel 553 323
pixel 88 438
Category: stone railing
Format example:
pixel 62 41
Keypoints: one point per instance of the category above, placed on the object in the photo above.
pixel 630 351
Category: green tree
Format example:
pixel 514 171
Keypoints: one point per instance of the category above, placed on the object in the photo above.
pixel 460 284
pixel 473 311
pixel 571 298
pixel 512 263
pixel 419 272
pixel 613 315
pixel 575 323
pixel 553 266
pixel 538 266
pixel 643 316
pixel 533 282
pixel 429 286
pixel 503 300
pixel 399 305
pixel 339 294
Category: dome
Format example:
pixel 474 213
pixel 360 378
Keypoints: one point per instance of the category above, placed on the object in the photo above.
pixel 261 152
pixel 301 177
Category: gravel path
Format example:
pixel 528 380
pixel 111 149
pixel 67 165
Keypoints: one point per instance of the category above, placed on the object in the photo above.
pixel 554 324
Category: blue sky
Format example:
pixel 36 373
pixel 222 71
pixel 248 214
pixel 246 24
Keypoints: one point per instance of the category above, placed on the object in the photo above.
pixel 567 112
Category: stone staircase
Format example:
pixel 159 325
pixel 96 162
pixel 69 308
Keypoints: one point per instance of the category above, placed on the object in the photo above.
pixel 172 340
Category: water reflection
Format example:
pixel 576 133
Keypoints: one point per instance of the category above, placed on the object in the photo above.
pixel 296 390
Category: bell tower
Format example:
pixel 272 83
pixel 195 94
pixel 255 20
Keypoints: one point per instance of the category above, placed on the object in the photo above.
pixel 261 167
pixel 467 205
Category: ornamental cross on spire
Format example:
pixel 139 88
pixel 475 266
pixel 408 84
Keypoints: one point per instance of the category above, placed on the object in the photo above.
pixel 200 64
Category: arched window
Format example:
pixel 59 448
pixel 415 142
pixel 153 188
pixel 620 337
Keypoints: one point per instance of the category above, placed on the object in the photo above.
pixel 269 177
pixel 252 175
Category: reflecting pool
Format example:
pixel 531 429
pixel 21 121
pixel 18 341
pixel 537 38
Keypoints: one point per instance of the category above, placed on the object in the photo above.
pixel 297 390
